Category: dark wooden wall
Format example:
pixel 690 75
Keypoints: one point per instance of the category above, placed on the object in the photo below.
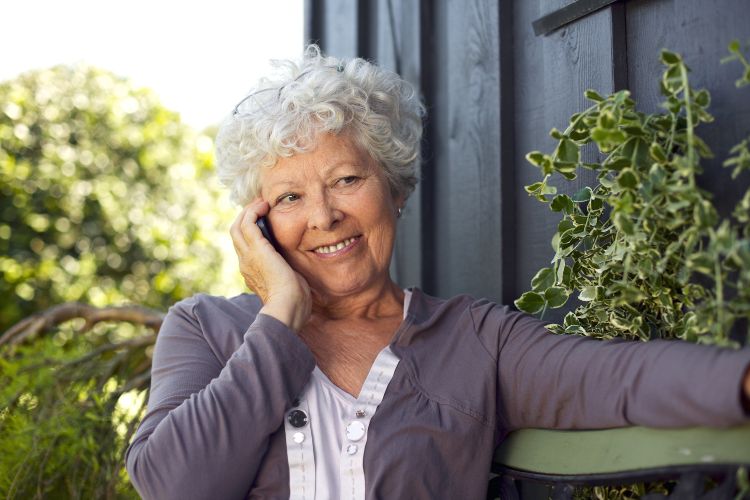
pixel 494 89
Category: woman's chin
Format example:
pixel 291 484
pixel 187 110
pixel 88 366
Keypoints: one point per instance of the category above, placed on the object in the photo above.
pixel 331 289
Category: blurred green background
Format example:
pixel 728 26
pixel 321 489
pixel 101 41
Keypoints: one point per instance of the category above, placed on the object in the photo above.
pixel 107 198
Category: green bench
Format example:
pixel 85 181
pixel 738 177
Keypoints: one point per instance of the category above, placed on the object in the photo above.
pixel 566 459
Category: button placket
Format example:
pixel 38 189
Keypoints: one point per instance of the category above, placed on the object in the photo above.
pixel 300 451
pixel 357 422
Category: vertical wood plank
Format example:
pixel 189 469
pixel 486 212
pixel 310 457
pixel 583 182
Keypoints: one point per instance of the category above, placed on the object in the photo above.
pixel 619 56
pixel 466 148
pixel 427 185
pixel 368 25
pixel 314 10
pixel 340 28
pixel 508 192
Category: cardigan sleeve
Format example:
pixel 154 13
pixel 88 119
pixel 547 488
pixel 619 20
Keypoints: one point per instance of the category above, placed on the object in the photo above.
pixel 208 425
pixel 574 382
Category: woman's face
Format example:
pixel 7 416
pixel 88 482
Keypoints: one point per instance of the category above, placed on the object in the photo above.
pixel 333 215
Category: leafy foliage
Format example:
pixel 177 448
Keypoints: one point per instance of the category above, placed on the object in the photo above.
pixel 99 204
pixel 644 249
pixel 95 195
pixel 71 402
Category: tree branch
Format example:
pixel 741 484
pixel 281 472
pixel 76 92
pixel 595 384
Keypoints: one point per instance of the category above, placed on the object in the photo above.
pixel 33 325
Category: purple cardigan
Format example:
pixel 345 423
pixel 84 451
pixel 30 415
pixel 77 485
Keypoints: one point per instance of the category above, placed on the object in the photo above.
pixel 470 371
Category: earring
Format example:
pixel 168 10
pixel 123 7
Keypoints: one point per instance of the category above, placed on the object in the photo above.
pixel 398 213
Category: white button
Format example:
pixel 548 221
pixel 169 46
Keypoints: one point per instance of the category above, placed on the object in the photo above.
pixel 298 437
pixel 351 449
pixel 355 430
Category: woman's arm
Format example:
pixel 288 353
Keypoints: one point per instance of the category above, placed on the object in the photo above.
pixel 208 425
pixel 563 381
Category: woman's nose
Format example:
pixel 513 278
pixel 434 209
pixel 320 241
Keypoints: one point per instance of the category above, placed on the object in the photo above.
pixel 324 215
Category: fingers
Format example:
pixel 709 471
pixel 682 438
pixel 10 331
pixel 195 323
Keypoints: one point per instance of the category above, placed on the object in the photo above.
pixel 285 293
pixel 243 229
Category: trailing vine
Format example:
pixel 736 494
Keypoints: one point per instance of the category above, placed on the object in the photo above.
pixel 644 250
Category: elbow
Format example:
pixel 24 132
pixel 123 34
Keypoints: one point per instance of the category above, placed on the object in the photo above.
pixel 135 470
pixel 142 476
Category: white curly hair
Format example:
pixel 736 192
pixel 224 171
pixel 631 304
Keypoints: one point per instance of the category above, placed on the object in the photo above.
pixel 318 94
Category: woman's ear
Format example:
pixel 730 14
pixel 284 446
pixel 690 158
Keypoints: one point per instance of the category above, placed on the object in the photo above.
pixel 399 201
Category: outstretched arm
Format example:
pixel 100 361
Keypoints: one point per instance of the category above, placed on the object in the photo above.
pixel 567 382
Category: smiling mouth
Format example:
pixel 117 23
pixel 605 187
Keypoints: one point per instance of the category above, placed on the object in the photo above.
pixel 325 249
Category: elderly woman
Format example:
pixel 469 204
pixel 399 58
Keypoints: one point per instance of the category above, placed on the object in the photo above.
pixel 333 382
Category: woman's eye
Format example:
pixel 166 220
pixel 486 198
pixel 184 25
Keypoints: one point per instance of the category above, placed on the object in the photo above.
pixel 287 198
pixel 348 180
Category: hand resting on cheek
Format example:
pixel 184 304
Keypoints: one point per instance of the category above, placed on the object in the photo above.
pixel 285 294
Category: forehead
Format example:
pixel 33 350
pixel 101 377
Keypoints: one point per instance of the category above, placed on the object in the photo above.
pixel 328 154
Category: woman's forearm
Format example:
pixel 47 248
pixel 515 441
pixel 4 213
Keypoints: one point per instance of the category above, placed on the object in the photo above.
pixel 558 381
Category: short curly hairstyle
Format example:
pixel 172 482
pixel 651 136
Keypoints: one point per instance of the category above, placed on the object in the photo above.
pixel 319 94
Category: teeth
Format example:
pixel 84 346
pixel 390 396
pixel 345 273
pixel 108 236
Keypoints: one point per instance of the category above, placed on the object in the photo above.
pixel 333 248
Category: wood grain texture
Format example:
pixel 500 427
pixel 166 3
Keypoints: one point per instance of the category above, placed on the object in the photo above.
pixel 340 28
pixel 508 192
pixel 465 117
pixel 700 30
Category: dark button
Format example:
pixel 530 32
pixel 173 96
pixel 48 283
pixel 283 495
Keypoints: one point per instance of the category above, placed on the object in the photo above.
pixel 297 418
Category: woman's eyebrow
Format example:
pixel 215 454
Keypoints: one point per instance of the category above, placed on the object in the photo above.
pixel 326 171
pixel 343 164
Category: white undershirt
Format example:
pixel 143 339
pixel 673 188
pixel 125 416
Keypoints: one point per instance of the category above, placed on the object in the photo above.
pixel 333 441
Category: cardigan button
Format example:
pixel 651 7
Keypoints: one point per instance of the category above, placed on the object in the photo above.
pixel 298 437
pixel 355 430
pixel 297 418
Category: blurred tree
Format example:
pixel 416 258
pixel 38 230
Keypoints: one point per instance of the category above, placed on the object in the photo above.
pixel 105 197
pixel 98 195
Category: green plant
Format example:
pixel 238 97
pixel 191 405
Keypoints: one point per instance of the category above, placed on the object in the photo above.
pixel 71 400
pixel 98 195
pixel 644 249
pixel 100 204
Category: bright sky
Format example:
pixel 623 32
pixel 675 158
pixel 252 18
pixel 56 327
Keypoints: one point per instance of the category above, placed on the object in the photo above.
pixel 200 57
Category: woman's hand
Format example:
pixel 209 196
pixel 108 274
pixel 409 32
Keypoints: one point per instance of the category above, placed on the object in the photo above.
pixel 285 294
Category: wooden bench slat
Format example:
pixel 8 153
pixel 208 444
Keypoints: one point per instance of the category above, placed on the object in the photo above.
pixel 607 451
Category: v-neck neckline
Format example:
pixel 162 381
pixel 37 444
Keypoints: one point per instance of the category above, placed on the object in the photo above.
pixel 350 398
pixel 337 391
